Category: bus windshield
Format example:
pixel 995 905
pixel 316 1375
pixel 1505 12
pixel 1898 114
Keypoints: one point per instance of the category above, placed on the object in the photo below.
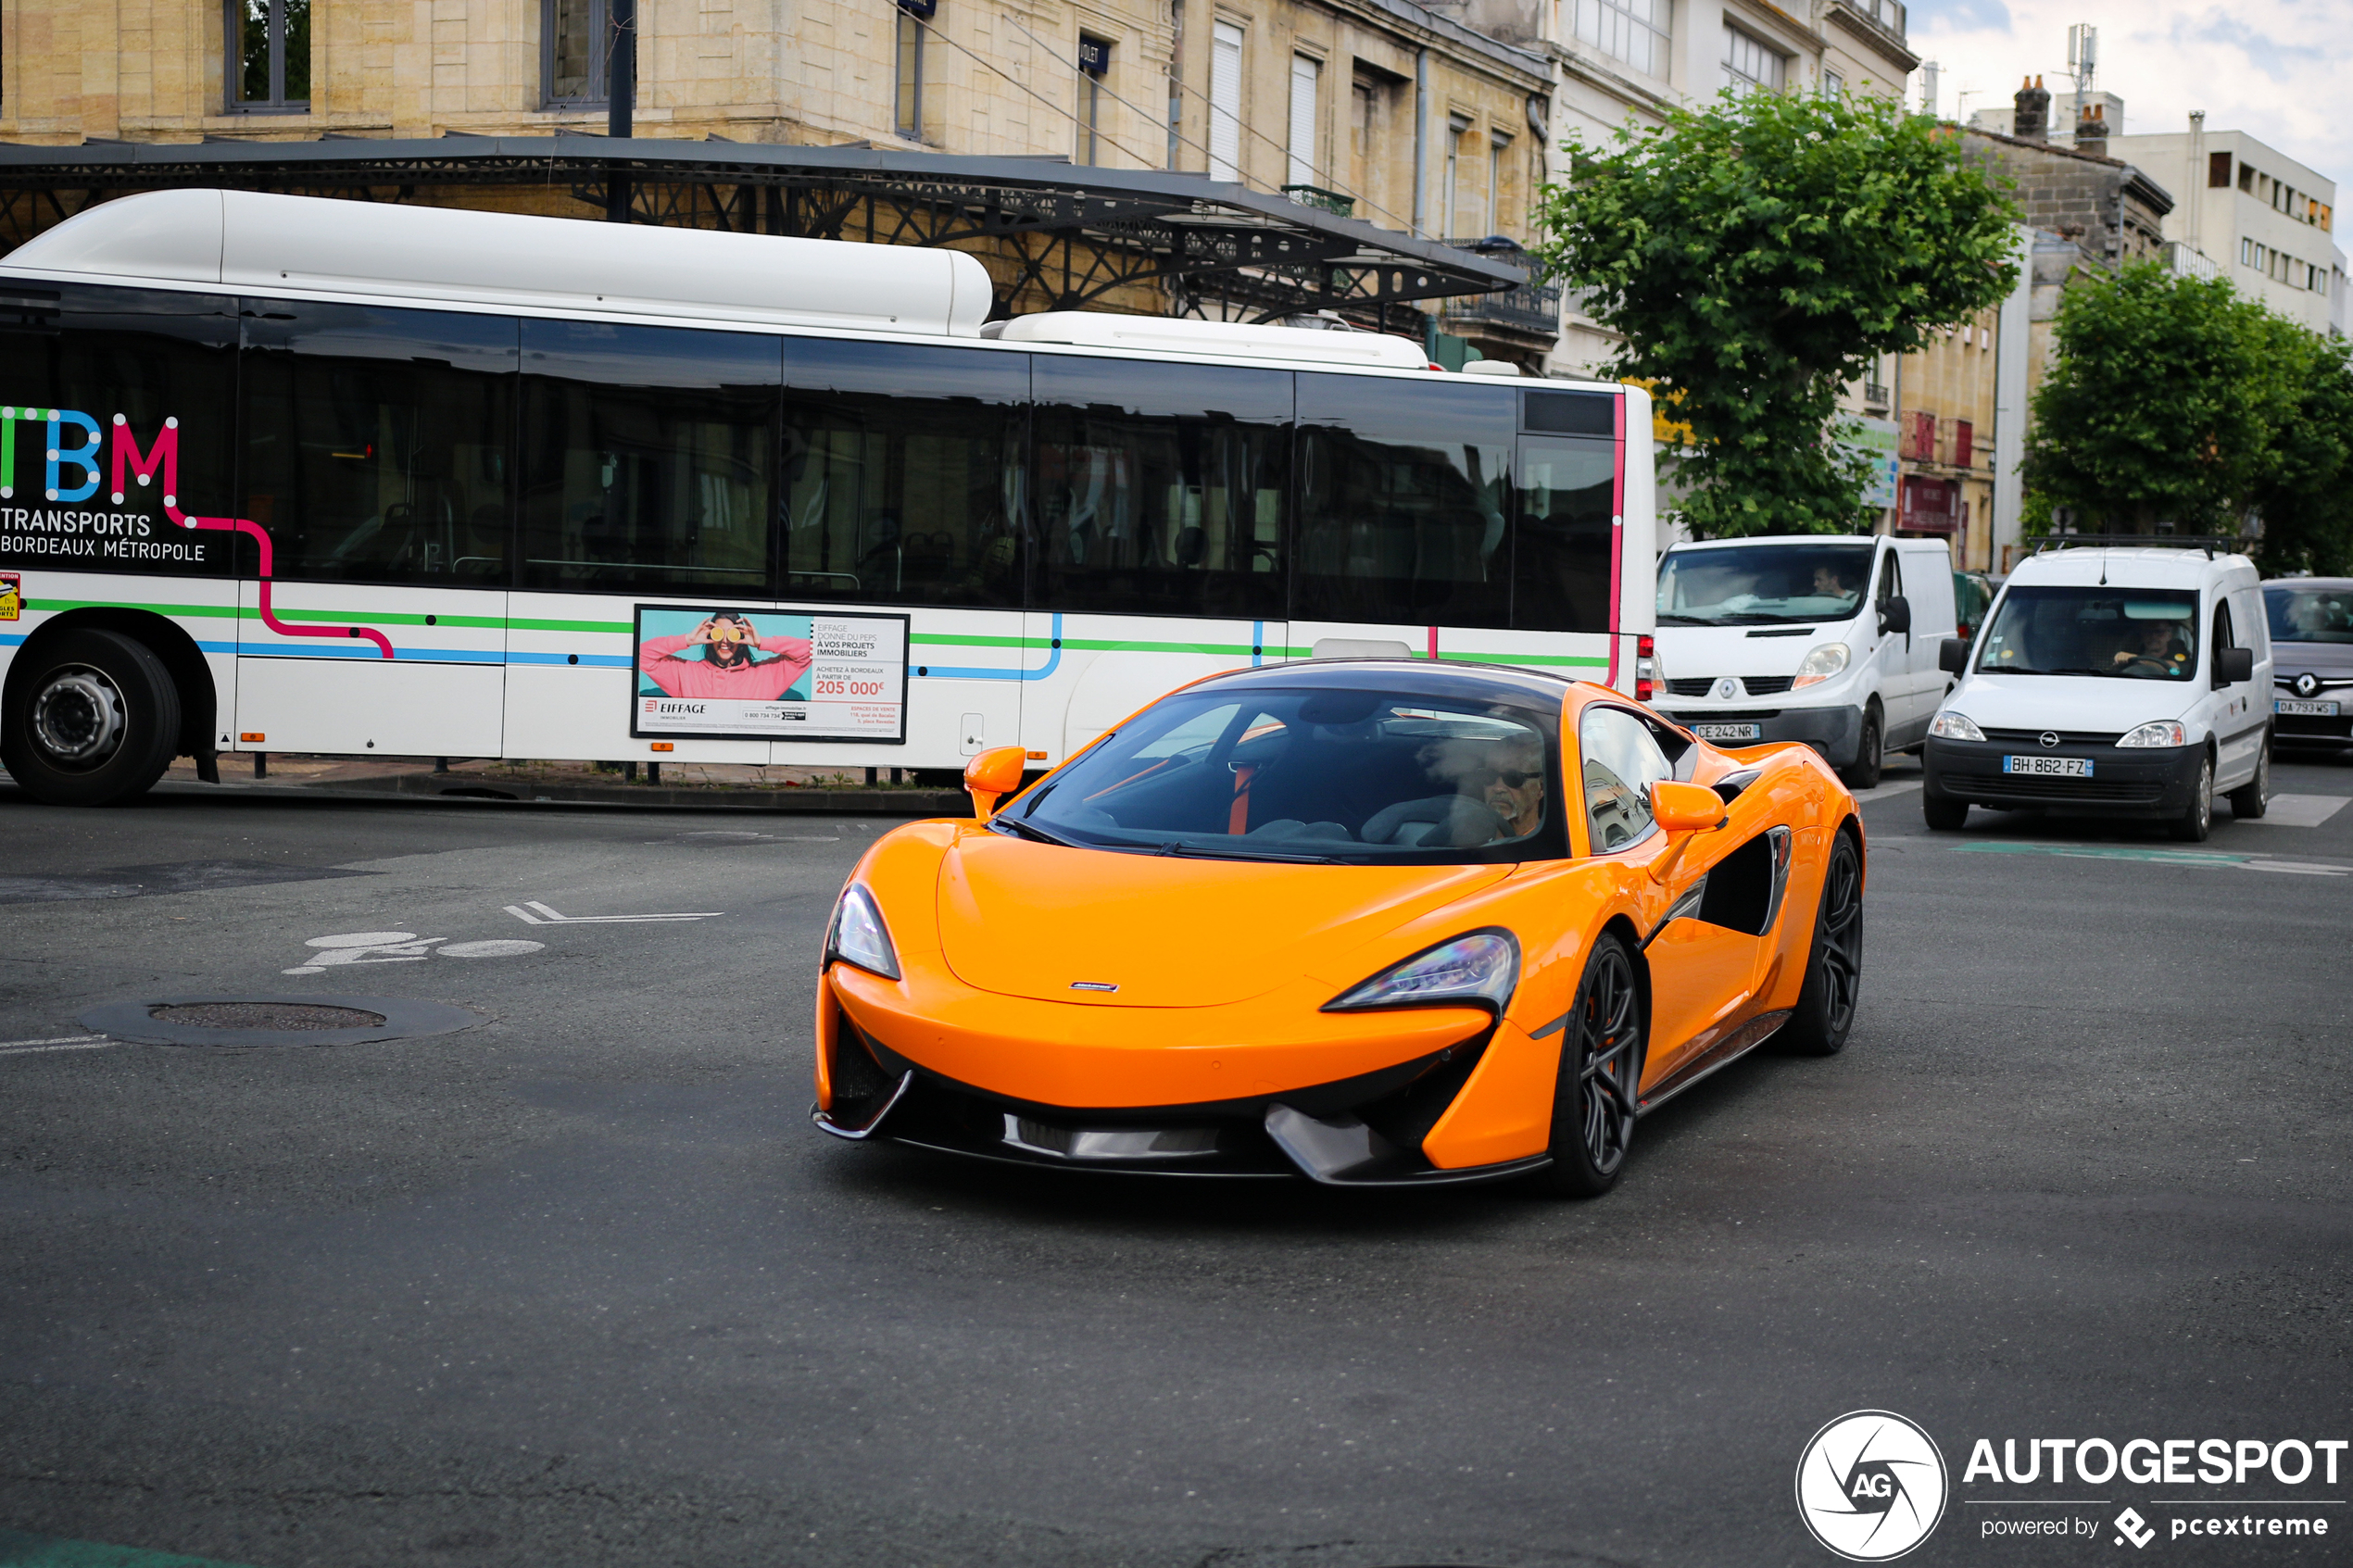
pixel 1763 585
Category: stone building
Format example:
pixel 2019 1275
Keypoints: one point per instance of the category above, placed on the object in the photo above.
pixel 1380 110
pixel 2267 222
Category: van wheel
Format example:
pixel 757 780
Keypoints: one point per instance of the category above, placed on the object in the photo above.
pixel 1942 812
pixel 96 719
pixel 1863 772
pixel 2196 819
pixel 2252 799
pixel 1834 966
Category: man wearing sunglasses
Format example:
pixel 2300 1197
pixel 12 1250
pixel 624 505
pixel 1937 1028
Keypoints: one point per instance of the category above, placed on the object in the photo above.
pixel 1512 787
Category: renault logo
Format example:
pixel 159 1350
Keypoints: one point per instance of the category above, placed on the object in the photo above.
pixel 1728 688
pixel 2307 683
pixel 2050 737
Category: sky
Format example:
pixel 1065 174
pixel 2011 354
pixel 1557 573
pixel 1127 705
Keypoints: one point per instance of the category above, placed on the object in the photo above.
pixel 2279 70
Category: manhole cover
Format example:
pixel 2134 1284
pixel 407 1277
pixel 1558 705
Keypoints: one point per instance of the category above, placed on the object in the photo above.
pixel 274 1021
pixel 265 1015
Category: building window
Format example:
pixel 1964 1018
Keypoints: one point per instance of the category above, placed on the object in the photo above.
pixel 1226 101
pixel 1457 133
pixel 1834 84
pixel 1632 32
pixel 909 116
pixel 1748 63
pixel 1364 99
pixel 1094 64
pixel 2217 171
pixel 1306 78
pixel 573 53
pixel 1497 145
pixel 1176 79
pixel 269 57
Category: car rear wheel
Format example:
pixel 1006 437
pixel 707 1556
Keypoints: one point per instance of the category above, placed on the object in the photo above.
pixel 1601 1065
pixel 1834 968
pixel 93 719
pixel 2252 799
pixel 2196 819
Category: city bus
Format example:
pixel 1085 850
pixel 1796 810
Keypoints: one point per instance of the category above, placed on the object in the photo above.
pixel 282 473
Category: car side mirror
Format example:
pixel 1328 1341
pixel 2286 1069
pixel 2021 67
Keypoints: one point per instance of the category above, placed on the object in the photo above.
pixel 993 775
pixel 2233 666
pixel 1952 656
pixel 1686 808
pixel 1895 615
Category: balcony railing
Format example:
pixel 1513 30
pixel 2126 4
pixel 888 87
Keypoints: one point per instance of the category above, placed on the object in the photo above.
pixel 1875 393
pixel 1532 308
pixel 1333 202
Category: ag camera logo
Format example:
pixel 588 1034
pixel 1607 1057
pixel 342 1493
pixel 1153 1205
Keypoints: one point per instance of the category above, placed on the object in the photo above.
pixel 1870 1486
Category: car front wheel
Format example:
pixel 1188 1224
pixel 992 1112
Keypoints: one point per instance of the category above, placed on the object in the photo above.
pixel 1594 1099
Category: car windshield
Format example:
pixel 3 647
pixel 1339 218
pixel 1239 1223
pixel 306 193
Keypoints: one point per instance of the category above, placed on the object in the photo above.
pixel 1762 584
pixel 2132 633
pixel 2301 614
pixel 1350 776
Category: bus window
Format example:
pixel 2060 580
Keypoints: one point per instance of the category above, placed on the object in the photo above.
pixel 649 459
pixel 376 441
pixel 87 355
pixel 902 473
pixel 1160 493
pixel 1560 561
pixel 1405 501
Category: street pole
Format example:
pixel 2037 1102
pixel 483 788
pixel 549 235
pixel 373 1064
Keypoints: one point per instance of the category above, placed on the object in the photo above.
pixel 621 100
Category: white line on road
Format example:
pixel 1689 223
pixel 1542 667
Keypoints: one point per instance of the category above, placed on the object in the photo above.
pixel 1887 789
pixel 61 1043
pixel 2298 810
pixel 545 916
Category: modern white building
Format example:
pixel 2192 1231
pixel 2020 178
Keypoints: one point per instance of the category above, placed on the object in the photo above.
pixel 2268 221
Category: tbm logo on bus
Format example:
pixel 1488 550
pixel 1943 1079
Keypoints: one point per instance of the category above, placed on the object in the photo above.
pixel 88 439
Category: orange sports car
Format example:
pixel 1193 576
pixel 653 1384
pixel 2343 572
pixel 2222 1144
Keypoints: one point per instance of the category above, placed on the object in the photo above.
pixel 1343 920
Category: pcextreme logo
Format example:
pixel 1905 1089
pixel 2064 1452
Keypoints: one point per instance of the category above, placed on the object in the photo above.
pixel 1870 1486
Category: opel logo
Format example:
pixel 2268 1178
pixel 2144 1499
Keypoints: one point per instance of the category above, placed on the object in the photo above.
pixel 2050 737
pixel 2307 683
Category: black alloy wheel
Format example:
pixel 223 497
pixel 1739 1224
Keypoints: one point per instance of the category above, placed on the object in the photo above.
pixel 1833 985
pixel 1594 1099
pixel 2196 819
pixel 1869 752
pixel 91 718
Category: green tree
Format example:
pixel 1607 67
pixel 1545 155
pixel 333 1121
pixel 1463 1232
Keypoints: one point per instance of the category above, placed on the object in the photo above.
pixel 2165 404
pixel 2305 491
pixel 1757 254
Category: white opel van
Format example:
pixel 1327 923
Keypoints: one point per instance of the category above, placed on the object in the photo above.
pixel 2112 680
pixel 1837 636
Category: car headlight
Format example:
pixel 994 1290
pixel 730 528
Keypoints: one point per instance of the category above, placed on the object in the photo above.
pixel 2162 732
pixel 858 935
pixel 1479 970
pixel 1949 725
pixel 1819 664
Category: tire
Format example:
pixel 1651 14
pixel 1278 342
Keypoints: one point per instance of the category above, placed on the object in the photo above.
pixel 1825 1012
pixel 92 718
pixel 1600 1075
pixel 1942 812
pixel 1863 772
pixel 2252 799
pixel 2196 819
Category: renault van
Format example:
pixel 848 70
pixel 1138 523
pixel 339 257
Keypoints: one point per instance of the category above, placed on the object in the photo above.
pixel 1837 636
pixel 2111 680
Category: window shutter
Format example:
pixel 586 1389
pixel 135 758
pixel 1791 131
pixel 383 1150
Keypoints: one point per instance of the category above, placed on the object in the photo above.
pixel 1226 103
pixel 1306 74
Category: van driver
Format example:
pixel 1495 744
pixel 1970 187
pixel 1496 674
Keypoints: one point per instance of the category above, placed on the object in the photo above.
pixel 2156 647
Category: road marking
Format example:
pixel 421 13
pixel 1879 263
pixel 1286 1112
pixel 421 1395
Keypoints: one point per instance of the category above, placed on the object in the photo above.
pixel 2212 859
pixel 501 948
pixel 401 947
pixel 1883 791
pixel 532 913
pixel 56 1042
pixel 2298 810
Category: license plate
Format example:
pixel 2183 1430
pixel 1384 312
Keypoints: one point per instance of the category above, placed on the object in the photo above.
pixel 1734 731
pixel 2307 710
pixel 2049 767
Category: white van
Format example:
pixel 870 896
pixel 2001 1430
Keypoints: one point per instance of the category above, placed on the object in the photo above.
pixel 2115 680
pixel 1838 633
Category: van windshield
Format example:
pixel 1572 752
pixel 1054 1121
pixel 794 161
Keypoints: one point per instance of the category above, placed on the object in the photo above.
pixel 1763 585
pixel 1351 777
pixel 2133 633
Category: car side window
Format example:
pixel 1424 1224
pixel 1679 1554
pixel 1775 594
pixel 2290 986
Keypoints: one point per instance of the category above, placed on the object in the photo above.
pixel 2221 636
pixel 1621 761
pixel 1890 580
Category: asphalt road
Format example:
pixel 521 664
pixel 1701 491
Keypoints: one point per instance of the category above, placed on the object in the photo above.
pixel 581 1285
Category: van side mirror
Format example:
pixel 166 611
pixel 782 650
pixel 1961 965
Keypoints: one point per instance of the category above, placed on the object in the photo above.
pixel 1895 615
pixel 993 775
pixel 2233 666
pixel 1952 656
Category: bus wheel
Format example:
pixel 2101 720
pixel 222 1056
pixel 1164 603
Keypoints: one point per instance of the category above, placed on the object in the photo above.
pixel 92 718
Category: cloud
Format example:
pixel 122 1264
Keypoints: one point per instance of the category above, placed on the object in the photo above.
pixel 2274 68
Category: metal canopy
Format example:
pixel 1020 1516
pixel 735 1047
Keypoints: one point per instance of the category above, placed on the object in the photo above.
pixel 1075 233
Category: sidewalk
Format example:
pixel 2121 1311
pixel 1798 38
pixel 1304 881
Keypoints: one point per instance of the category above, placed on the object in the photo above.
pixel 688 785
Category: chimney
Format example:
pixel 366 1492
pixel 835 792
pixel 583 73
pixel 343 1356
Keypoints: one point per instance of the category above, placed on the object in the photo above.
pixel 2090 131
pixel 2033 118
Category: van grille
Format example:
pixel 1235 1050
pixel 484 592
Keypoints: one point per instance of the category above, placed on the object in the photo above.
pixel 2067 737
pixel 1758 685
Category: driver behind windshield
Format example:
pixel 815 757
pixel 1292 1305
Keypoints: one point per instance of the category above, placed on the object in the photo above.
pixel 1830 581
pixel 2152 648
pixel 1512 786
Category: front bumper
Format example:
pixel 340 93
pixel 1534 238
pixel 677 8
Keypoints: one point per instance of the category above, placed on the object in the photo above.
pixel 1836 732
pixel 2143 782
pixel 2313 729
pixel 1362 1131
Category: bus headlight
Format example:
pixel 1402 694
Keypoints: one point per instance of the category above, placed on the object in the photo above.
pixel 1819 664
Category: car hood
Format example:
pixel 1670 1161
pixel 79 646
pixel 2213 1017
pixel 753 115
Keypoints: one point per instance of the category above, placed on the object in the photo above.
pixel 2071 702
pixel 1692 653
pixel 1035 920
pixel 2322 659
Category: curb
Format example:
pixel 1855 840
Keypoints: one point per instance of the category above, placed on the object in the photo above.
pixel 835 802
